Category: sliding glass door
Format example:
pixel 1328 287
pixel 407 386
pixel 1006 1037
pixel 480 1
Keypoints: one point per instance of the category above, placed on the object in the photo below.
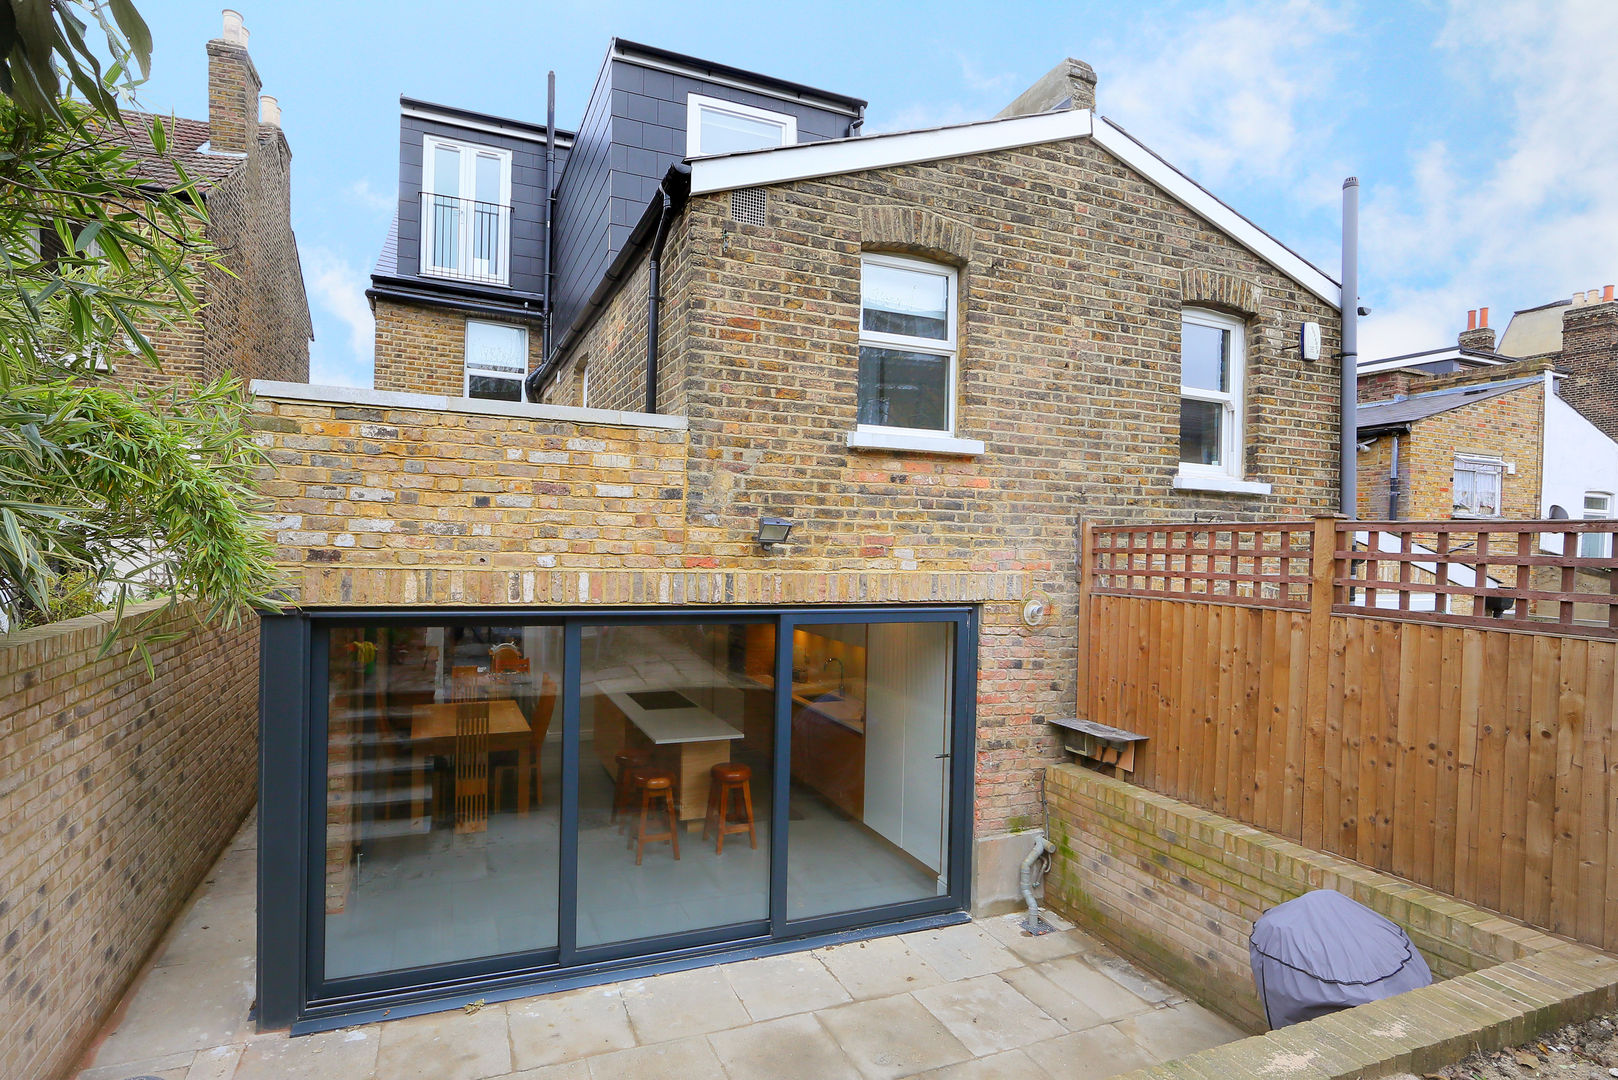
pixel 508 794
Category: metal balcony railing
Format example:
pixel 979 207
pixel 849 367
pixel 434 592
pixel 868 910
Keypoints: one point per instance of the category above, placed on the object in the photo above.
pixel 465 239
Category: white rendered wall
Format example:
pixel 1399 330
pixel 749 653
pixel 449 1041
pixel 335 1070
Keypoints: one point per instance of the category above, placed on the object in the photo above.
pixel 1578 458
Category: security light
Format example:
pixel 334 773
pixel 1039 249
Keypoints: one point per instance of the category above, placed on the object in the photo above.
pixel 772 531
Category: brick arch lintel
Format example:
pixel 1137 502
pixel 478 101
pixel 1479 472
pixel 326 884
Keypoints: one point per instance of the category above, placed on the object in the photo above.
pixel 909 230
pixel 1227 292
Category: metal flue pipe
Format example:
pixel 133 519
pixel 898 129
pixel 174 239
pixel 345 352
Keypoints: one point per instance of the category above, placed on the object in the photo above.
pixel 1351 344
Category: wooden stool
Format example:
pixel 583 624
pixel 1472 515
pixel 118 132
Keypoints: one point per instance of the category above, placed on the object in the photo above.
pixel 623 792
pixel 727 780
pixel 656 786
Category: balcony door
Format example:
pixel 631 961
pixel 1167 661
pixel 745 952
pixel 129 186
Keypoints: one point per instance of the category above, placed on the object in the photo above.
pixel 465 211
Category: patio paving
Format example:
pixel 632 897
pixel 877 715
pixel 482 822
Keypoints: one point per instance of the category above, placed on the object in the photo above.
pixel 970 1002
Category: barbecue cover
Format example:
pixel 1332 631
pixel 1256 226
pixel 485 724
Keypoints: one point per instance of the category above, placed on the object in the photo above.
pixel 1323 952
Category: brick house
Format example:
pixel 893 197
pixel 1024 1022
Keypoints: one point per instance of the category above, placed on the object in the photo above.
pixel 747 626
pixel 1480 431
pixel 254 319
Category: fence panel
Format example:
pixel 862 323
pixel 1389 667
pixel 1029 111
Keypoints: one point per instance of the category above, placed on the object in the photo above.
pixel 1292 676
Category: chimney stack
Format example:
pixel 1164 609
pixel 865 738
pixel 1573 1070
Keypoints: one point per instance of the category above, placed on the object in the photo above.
pixel 1477 335
pixel 233 86
pixel 1589 358
pixel 1069 85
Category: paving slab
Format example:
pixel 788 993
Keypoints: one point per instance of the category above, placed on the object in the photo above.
pixel 682 1003
pixel 1059 1004
pixel 781 985
pixel 790 1048
pixel 1089 1055
pixel 215 1063
pixel 572 1070
pixel 347 1053
pixel 1007 1065
pixel 988 1015
pixel 892 1037
pixel 1063 941
pixel 566 1027
pixel 1103 995
pixel 680 1058
pixel 183 1007
pixel 445 1046
pixel 878 967
pixel 962 951
pixel 1179 1030
pixel 166 1065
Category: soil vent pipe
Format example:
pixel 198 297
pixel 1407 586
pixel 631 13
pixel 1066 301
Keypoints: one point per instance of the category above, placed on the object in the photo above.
pixel 1025 881
pixel 1351 344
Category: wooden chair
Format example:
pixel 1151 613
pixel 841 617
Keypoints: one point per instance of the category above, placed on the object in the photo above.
pixel 539 725
pixel 508 659
pixel 471 766
pixel 465 683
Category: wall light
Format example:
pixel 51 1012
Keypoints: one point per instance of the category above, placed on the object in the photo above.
pixel 772 531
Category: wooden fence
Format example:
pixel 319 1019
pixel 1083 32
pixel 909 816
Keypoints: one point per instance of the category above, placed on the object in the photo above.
pixel 1287 678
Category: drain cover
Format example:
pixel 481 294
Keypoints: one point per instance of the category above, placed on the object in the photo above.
pixel 1037 926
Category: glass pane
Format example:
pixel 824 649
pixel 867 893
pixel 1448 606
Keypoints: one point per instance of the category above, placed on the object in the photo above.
pixel 1200 436
pixel 677 727
pixel 496 347
pixel 494 387
pixel 446 171
pixel 488 179
pixel 444 232
pixel 910 302
pixel 871 708
pixel 443 796
pixel 904 389
pixel 727 133
pixel 1204 357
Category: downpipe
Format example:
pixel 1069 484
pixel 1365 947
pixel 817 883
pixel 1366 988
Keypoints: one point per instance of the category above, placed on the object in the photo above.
pixel 1025 880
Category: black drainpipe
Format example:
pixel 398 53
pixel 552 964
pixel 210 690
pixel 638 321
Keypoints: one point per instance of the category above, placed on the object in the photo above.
pixel 549 276
pixel 653 300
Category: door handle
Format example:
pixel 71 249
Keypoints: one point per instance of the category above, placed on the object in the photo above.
pixel 939 757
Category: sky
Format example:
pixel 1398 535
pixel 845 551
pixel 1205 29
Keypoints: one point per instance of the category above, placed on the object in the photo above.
pixel 1484 134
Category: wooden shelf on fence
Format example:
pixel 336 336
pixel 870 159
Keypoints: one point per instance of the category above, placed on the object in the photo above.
pixel 1101 742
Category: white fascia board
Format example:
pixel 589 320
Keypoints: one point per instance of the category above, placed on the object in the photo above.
pixel 835 157
pixel 1222 217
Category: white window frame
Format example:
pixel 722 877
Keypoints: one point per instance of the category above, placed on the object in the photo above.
pixel 469 152
pixel 466 366
pixel 946 346
pixel 1480 464
pixel 696 103
pixel 1232 427
pixel 1597 545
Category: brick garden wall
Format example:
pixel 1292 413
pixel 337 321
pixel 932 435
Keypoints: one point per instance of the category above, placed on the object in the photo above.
pixel 1179 888
pixel 117 792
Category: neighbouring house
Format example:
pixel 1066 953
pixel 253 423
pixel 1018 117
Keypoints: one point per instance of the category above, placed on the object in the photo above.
pixel 747 626
pixel 254 318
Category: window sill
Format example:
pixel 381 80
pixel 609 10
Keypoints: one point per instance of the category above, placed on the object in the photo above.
pixel 1224 485
pixel 926 444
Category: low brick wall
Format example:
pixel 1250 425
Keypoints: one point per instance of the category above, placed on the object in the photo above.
pixel 117 792
pixel 1178 889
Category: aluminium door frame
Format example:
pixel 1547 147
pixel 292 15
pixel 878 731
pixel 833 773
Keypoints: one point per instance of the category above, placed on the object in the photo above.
pixel 291 938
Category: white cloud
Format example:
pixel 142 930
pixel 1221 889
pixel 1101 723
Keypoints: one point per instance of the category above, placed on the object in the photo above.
pixel 345 331
pixel 381 202
pixel 1539 218
pixel 1221 94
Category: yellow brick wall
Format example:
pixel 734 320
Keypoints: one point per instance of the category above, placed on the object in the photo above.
pixel 421 349
pixel 1508 426
pixel 117 792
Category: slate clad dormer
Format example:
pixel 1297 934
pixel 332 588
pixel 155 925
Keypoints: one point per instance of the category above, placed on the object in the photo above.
pixel 651 108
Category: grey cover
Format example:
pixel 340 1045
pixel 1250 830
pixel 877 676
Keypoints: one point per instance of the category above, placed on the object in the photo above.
pixel 1323 952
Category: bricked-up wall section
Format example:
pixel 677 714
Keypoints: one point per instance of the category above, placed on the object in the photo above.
pixel 117 792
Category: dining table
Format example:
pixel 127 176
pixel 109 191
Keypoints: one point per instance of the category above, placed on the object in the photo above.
pixel 432 734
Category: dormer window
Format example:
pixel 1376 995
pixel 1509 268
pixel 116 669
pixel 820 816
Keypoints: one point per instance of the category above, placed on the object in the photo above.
pixel 713 126
pixel 465 211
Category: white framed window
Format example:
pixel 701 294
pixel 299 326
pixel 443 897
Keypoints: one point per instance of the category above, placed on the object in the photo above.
pixel 715 126
pixel 1597 507
pixel 465 211
pixel 1213 369
pixel 496 360
pixel 1477 486
pixel 907 346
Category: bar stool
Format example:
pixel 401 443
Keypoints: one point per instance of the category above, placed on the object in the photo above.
pixel 726 781
pixel 656 786
pixel 623 792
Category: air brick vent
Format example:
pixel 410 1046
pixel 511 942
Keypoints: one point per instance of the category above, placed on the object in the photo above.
pixel 747 206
